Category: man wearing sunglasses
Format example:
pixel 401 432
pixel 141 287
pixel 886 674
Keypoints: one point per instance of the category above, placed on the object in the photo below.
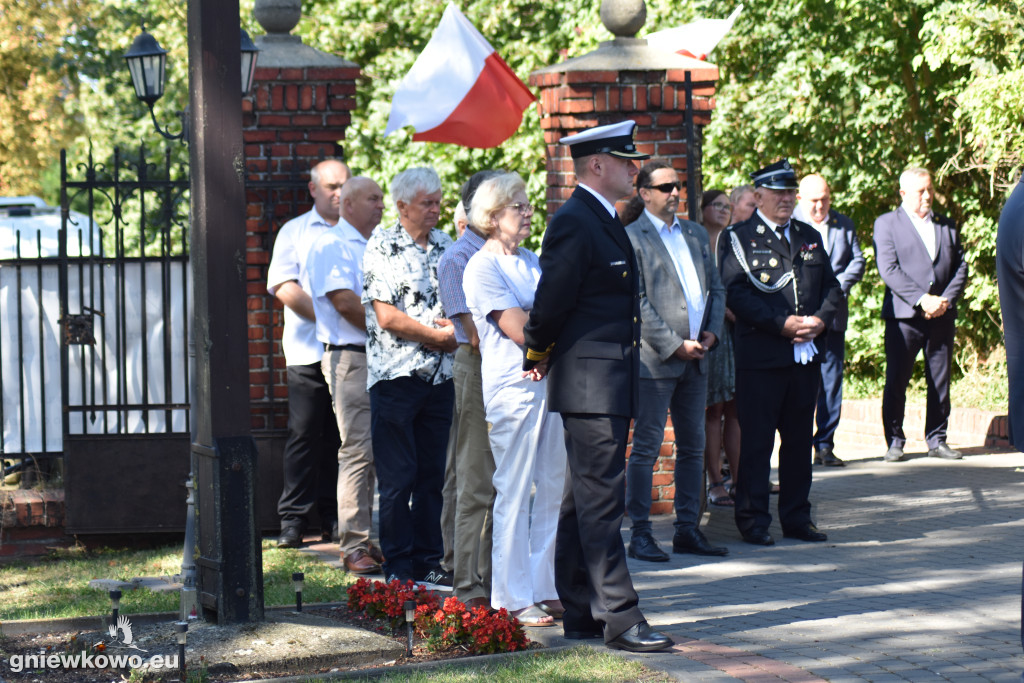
pixel 682 305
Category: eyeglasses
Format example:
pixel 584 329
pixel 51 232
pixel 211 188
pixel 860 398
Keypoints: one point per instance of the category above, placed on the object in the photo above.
pixel 665 187
pixel 720 206
pixel 523 209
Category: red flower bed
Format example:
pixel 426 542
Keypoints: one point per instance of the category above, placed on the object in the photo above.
pixel 443 626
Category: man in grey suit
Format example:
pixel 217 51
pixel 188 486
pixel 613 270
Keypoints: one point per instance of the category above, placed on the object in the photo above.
pixel 922 263
pixel 682 304
pixel 814 206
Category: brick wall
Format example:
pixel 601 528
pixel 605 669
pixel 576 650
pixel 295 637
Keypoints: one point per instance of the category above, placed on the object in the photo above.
pixel 294 118
pixel 575 100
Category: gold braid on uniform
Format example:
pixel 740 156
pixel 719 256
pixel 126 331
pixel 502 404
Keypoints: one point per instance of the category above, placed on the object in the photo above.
pixel 538 356
pixel 737 250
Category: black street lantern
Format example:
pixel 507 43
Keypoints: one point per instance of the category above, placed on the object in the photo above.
pixel 146 63
pixel 249 54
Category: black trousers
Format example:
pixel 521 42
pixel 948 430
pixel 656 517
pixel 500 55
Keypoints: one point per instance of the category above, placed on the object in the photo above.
pixel 409 421
pixel 904 339
pixel 591 575
pixel 767 401
pixel 310 477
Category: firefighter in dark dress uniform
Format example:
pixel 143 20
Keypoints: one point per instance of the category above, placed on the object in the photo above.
pixel 781 287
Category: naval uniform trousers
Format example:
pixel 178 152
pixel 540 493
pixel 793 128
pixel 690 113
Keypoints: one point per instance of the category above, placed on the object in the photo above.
pixel 590 559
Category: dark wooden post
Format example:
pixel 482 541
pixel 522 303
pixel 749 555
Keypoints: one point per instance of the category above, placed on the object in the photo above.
pixel 230 573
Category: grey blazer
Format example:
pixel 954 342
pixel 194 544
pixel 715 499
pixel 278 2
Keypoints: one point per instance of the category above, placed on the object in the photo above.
pixel 664 315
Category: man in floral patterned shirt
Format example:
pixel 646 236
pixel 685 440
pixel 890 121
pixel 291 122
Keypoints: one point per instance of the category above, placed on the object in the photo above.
pixel 409 346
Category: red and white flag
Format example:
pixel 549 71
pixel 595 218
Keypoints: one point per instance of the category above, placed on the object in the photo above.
pixel 696 39
pixel 459 90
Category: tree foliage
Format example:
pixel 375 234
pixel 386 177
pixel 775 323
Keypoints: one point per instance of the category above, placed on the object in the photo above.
pixel 859 90
pixel 856 90
pixel 37 83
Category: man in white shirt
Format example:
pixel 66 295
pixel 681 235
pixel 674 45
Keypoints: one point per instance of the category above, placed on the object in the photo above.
pixel 335 267
pixel 682 306
pixel 921 261
pixel 310 465
pixel 814 206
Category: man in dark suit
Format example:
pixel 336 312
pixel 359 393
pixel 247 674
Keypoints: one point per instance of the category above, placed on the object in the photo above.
pixel 682 305
pixel 779 284
pixel 922 264
pixel 814 207
pixel 1010 274
pixel 584 331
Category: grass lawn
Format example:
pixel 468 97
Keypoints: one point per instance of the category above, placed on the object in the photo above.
pixel 578 665
pixel 57 586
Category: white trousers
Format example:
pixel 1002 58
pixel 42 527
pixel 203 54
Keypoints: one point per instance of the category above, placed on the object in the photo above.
pixel 528 444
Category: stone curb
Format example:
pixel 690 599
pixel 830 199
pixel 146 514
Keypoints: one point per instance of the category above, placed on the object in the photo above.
pixel 22 626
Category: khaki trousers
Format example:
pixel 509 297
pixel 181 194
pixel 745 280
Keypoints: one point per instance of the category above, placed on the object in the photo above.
pixel 345 372
pixel 474 470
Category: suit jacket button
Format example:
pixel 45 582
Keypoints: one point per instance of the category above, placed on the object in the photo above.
pixel 634 343
pixel 634 318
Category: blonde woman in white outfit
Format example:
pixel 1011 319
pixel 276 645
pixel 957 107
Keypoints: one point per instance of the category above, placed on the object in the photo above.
pixel 526 440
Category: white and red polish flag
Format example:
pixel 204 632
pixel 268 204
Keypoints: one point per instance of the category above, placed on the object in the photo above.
pixel 696 39
pixel 459 90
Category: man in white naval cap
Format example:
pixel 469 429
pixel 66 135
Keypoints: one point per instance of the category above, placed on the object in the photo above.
pixel 584 332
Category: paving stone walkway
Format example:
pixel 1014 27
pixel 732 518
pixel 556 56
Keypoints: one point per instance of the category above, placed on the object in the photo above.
pixel 920 580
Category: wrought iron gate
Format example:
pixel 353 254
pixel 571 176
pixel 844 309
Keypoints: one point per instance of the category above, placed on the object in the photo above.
pixel 124 337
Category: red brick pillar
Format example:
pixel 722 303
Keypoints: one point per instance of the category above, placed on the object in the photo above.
pixel 571 101
pixel 294 117
pixel 627 79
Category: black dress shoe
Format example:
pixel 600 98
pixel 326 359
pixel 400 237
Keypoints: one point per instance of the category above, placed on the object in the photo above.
pixel 584 634
pixel 825 456
pixel 643 547
pixel 758 536
pixel 808 533
pixel 291 537
pixel 894 454
pixel 693 541
pixel 945 452
pixel 640 638
pixel 329 532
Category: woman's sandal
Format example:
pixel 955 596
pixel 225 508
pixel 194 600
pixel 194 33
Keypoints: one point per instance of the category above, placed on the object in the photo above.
pixel 533 616
pixel 723 501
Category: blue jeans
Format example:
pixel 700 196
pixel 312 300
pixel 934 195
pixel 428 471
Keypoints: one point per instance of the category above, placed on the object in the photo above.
pixel 410 419
pixel 685 397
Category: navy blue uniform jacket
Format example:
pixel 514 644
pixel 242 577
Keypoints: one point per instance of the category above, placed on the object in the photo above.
pixel 587 311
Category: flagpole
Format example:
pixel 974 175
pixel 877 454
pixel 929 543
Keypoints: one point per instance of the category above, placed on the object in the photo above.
pixel 691 168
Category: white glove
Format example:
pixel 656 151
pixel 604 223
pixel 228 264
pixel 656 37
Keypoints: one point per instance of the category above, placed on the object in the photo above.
pixel 803 352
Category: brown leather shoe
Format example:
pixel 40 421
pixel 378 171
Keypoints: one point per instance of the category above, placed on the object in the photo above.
pixel 359 562
pixel 376 554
